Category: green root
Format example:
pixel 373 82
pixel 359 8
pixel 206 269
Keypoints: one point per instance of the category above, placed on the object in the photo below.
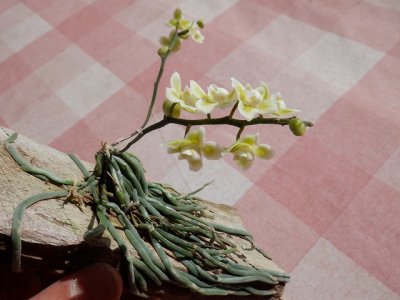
pixel 160 224
pixel 17 221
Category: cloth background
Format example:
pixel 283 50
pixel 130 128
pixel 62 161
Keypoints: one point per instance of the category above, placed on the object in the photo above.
pixel 326 207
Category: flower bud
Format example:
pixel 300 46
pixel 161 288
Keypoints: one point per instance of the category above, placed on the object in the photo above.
pixel 176 46
pixel 177 13
pixel 183 33
pixel 200 23
pixel 171 34
pixel 163 51
pixel 297 126
pixel 164 41
pixel 171 109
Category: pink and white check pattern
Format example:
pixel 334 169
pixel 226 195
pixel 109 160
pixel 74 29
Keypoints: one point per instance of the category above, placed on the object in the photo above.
pixel 326 208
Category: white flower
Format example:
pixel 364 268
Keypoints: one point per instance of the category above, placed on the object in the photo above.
pixel 185 98
pixel 195 33
pixel 247 148
pixel 193 147
pixel 259 101
pixel 215 96
pixel 281 106
pixel 253 102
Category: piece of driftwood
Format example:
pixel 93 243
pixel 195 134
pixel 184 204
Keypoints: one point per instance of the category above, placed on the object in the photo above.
pixel 52 230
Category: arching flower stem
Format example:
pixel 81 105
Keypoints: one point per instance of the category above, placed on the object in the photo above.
pixel 155 90
pixel 216 121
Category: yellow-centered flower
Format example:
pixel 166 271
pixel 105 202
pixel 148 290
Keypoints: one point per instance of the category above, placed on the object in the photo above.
pixel 193 147
pixel 247 148
pixel 253 102
pixel 281 106
pixel 185 98
pixel 215 96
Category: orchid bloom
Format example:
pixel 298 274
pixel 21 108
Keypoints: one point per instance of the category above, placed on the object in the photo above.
pixel 281 106
pixel 247 148
pixel 195 33
pixel 193 147
pixel 182 24
pixel 253 102
pixel 215 96
pixel 184 98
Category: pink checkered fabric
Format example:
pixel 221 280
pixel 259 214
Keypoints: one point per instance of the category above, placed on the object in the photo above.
pixel 326 207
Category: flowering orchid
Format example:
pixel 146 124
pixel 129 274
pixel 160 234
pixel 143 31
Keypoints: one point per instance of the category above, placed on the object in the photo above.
pixel 193 147
pixel 253 102
pixel 247 148
pixel 215 96
pixel 185 98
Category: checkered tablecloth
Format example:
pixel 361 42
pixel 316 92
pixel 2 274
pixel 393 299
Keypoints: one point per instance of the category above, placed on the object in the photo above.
pixel 74 73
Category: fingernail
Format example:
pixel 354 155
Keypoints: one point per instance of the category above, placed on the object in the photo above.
pixel 99 281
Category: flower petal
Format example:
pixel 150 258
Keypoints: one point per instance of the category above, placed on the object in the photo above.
pixel 196 89
pixel 251 140
pixel 237 85
pixel 267 94
pixel 172 96
pixel 176 82
pixel 185 24
pixel 267 107
pixel 286 111
pixel 247 112
pixel 197 137
pixel 188 108
pixel 193 158
pixel 212 150
pixel 204 106
pixel 174 146
pixel 244 159
pixel 264 151
pixel 195 165
pixel 189 153
pixel 196 35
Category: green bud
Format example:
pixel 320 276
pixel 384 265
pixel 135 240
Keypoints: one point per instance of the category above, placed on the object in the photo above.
pixel 183 33
pixel 171 109
pixel 164 41
pixel 177 14
pixel 200 23
pixel 171 34
pixel 163 51
pixel 184 36
pixel 176 46
pixel 297 126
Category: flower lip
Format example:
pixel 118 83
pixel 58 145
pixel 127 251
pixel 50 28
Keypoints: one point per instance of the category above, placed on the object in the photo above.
pixel 193 147
pixel 247 148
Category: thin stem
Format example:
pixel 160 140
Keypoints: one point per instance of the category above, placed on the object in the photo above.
pixel 187 129
pixel 155 91
pixel 233 110
pixel 217 121
pixel 239 133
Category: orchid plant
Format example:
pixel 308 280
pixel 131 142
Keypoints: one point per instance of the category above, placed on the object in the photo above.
pixel 157 221
pixel 255 105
